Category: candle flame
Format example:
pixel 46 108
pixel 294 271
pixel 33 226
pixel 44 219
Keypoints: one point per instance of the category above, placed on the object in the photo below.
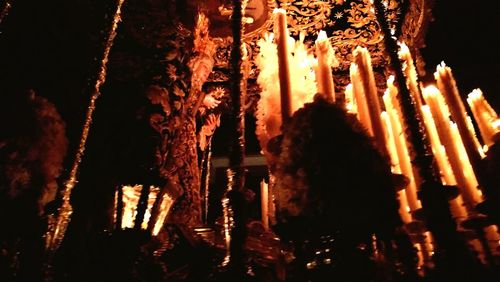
pixel 431 90
pixel 485 116
pixel 474 95
pixel 279 11
pixel 390 81
pixel 403 49
pixel 321 36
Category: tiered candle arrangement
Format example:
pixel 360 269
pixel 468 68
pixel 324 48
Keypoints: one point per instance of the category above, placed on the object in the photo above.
pixel 289 77
pixel 302 80
pixel 455 146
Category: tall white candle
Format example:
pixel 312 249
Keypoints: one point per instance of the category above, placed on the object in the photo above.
pixel 438 150
pixel 396 117
pixel 484 115
pixel 283 64
pixel 447 86
pixel 395 166
pixel 360 98
pixel 324 52
pixel 439 111
pixel 264 203
pixel 410 73
pixel 363 60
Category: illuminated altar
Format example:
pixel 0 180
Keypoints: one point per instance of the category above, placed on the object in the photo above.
pixel 403 183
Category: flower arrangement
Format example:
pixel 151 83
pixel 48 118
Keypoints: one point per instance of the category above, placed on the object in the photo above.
pixel 268 113
pixel 330 176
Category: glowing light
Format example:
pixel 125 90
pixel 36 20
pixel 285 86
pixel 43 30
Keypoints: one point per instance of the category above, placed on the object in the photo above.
pixel 485 117
pixel 350 102
pixel 454 147
pixel 165 206
pixel 131 195
pixel 302 79
pixel 325 59
pixel 393 108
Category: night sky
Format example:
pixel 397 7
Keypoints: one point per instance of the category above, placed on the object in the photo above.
pixel 464 35
pixel 54 47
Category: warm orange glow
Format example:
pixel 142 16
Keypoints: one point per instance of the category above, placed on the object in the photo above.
pixel 395 167
pixel 350 102
pixel 324 54
pixel 484 115
pixel 410 73
pixel 447 85
pixel 283 63
pixel 131 195
pixel 302 80
pixel 367 80
pixel 465 163
pixel 396 117
pixel 492 237
pixel 438 150
pixel 165 206
pixel 130 198
pixel 264 202
pixel 227 228
pixel 454 147
pixel 360 98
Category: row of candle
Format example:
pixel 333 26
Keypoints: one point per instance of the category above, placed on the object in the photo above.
pixel 386 127
pixel 454 144
pixel 322 69
pixel 292 82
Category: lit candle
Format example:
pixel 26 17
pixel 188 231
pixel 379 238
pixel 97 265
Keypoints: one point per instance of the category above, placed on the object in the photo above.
pixel 391 146
pixel 470 177
pixel 363 60
pixel 438 150
pixel 447 86
pixel 439 111
pixel 410 73
pixel 350 102
pixel 396 118
pixel 283 64
pixel 324 52
pixel 360 98
pixel 395 167
pixel 264 203
pixel 484 115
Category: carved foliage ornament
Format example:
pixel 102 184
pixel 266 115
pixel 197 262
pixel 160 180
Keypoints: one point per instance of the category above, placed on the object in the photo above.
pixel 348 23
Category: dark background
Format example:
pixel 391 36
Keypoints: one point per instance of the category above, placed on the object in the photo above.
pixel 463 34
pixel 55 47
